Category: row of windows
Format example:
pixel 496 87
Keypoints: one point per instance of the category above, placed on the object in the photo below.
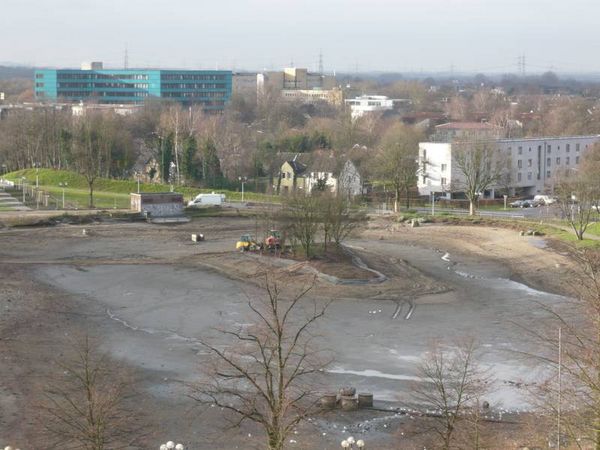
pixel 121 85
pixel 136 85
pixel 529 176
pixel 193 85
pixel 191 77
pixel 100 76
pixel 549 148
pixel 548 161
pixel 194 94
pixel 103 94
pixel 103 85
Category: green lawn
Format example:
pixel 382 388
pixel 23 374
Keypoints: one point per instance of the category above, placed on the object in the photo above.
pixel 110 193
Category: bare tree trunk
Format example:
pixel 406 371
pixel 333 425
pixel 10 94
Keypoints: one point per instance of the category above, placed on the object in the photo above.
pixel 471 207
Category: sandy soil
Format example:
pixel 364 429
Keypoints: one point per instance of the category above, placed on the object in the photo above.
pixel 529 258
pixel 44 299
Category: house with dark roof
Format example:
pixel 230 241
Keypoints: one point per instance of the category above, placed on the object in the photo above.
pixel 291 176
pixel 320 171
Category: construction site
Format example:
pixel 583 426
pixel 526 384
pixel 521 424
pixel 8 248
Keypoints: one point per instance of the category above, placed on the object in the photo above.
pixel 147 293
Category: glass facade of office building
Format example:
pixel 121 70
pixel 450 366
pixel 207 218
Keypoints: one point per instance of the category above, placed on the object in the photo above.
pixel 210 88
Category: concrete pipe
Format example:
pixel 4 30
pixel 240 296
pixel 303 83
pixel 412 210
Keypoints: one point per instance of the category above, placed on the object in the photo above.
pixel 365 400
pixel 328 401
pixel 348 403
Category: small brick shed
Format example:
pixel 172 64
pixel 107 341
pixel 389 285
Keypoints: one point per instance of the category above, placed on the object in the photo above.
pixel 158 204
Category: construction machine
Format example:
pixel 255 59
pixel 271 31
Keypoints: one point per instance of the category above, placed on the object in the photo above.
pixel 247 243
pixel 273 240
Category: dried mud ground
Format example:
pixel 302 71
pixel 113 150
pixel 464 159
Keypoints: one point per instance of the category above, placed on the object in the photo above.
pixel 146 293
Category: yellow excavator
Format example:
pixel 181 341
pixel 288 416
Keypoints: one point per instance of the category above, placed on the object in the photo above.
pixel 247 243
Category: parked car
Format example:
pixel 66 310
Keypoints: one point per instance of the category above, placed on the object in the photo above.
pixel 545 199
pixel 527 203
pixel 520 204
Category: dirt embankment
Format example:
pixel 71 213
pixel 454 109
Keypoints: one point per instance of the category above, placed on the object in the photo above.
pixel 534 261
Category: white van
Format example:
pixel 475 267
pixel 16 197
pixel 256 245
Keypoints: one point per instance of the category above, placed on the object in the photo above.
pixel 207 200
pixel 544 199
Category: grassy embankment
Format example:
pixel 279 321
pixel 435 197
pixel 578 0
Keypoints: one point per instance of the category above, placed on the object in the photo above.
pixel 110 193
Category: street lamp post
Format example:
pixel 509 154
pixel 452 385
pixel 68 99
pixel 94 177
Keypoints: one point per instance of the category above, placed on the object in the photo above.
pixel 243 181
pixel 23 180
pixel 171 445
pixel 63 186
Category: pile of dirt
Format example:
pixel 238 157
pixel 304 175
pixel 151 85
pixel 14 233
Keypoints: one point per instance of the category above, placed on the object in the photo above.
pixel 334 261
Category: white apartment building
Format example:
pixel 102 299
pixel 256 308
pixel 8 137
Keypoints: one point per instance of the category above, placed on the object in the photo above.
pixel 359 106
pixel 534 164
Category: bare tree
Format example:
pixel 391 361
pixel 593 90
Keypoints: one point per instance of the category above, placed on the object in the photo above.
pixel 579 192
pixel 397 163
pixel 301 216
pixel 91 150
pixel 85 407
pixel 452 382
pixel 263 373
pixel 577 197
pixel 340 217
pixel 479 168
pixel 570 342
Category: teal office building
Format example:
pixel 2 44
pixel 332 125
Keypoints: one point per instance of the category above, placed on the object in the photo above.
pixel 209 88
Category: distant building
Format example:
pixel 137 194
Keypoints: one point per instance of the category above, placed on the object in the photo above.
pixel 122 110
pixel 291 177
pixel 359 106
pixel 294 78
pixel 210 88
pixel 447 132
pixel 321 172
pixel 245 83
pixel 294 83
pixel 533 164
pixel 332 96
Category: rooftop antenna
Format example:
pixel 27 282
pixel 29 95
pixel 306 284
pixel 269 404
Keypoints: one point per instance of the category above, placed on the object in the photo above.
pixel 126 58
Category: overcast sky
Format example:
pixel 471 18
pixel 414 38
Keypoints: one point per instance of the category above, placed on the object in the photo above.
pixel 399 35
